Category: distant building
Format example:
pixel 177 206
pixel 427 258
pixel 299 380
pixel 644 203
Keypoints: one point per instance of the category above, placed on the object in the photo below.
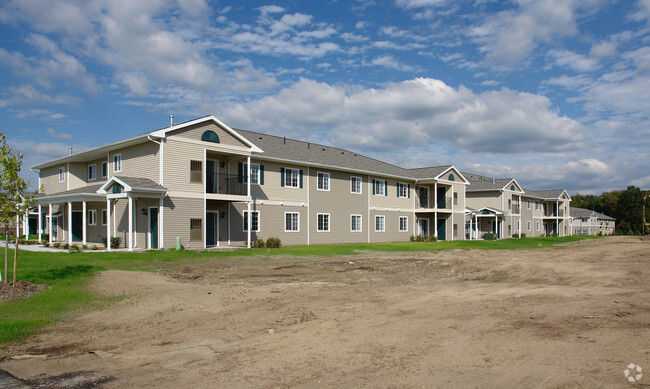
pixel 588 222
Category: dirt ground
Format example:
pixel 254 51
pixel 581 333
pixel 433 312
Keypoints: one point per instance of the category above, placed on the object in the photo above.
pixel 574 315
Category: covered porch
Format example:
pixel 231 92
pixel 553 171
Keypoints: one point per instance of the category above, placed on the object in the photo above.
pixel 482 221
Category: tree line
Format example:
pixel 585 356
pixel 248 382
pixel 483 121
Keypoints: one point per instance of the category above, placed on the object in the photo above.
pixel 626 206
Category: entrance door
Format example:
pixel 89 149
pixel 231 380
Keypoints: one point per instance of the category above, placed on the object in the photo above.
pixel 55 228
pixel 153 227
pixel 423 194
pixel 32 226
pixel 423 227
pixel 211 229
pixel 496 228
pixel 212 177
pixel 77 228
pixel 442 229
pixel 441 198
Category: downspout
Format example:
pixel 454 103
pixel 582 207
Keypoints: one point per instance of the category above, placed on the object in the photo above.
pixel 161 163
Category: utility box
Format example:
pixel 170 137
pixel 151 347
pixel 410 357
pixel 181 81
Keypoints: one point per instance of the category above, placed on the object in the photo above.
pixel 179 246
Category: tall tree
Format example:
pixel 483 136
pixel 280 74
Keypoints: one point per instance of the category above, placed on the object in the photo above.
pixel 14 199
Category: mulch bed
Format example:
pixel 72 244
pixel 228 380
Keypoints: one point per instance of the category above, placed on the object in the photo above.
pixel 9 291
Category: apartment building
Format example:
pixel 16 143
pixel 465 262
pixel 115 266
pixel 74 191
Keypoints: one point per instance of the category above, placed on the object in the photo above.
pixel 503 207
pixel 588 222
pixel 210 185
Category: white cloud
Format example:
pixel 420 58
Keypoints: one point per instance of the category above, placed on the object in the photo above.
pixel 575 61
pixel 509 36
pixel 420 3
pixel 389 61
pixel 54 134
pixel 603 49
pixel 420 111
pixel 27 94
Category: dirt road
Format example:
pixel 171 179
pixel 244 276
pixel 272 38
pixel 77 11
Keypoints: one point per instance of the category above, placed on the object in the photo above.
pixel 570 316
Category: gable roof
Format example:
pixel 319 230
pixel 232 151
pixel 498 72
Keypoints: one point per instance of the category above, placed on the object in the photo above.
pixel 282 149
pixel 132 184
pixel 480 183
pixel 551 194
pixel 577 212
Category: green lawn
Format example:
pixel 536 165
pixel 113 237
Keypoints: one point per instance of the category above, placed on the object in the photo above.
pixel 68 273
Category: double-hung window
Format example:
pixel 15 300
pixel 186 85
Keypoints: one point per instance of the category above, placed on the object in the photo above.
pixel 528 226
pixel 379 187
pixel 380 223
pixel 323 222
pixel 92 172
pixel 323 180
pixel 196 171
pixel 403 190
pixel 196 232
pixel 291 221
pixel 355 223
pixel 291 178
pixel 403 223
pixel 92 217
pixel 528 205
pixel 355 184
pixel 117 163
pixel 255 221
pixel 104 169
pixel 537 226
pixel 104 217
pixel 61 174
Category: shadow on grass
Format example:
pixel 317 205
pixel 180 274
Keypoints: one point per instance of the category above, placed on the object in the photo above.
pixel 62 273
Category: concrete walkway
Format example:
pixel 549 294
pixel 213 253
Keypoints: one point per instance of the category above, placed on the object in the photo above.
pixel 33 247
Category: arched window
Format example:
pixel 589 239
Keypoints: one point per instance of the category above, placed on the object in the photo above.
pixel 451 177
pixel 117 188
pixel 512 188
pixel 210 136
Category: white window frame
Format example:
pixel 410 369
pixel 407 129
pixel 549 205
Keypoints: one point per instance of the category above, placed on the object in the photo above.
pixel 117 163
pixel 104 171
pixel 291 172
pixel 62 174
pixel 360 218
pixel 318 224
pixel 325 181
pixel 529 225
pixel 383 223
pixel 528 204
pixel 406 223
pixel 255 177
pixel 297 222
pixel 400 186
pixel 92 217
pixel 380 184
pixel 359 187
pixel 537 206
pixel 245 220
pixel 537 226
pixel 92 167
pixel 104 217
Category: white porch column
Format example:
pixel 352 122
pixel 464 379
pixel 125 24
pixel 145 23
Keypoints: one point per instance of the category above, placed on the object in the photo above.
pixel 248 190
pixel 25 224
pixel 452 226
pixel 17 226
pixel 49 224
pixel 40 223
pixel 130 223
pixel 435 202
pixel 471 230
pixel 84 222
pixel 435 224
pixel 108 225
pixel 161 229
pixel 557 217
pixel 69 226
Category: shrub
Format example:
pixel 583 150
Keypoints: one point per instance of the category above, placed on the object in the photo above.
pixel 259 243
pixel 56 245
pixel 85 246
pixel 104 242
pixel 45 243
pixel 116 241
pixel 490 236
pixel 46 237
pixel 66 246
pixel 467 235
pixel 273 243
pixel 433 239
pixel 94 247
pixel 554 235
pixel 74 248
pixel 515 235
pixel 523 234
pixel 412 238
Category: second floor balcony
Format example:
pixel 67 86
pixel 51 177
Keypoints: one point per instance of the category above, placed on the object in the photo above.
pixel 430 202
pixel 228 184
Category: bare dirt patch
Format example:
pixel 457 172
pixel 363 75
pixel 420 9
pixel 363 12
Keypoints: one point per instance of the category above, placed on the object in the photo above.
pixel 562 317
pixel 19 289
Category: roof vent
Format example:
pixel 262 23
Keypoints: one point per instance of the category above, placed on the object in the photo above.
pixel 285 139
pixel 171 120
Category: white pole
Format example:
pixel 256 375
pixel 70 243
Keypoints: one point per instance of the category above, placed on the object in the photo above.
pixel 40 223
pixel 108 225
pixel 248 189
pixel 49 224
pixel 130 223
pixel 69 223
pixel 84 222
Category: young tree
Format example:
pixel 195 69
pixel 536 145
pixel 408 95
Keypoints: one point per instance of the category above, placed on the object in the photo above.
pixel 14 199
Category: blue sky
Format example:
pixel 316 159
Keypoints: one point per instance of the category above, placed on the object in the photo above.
pixel 554 93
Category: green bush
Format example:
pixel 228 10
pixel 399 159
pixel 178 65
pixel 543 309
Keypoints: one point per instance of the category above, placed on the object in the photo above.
pixel 515 235
pixel 74 248
pixel 433 239
pixel 259 244
pixel 56 245
pixel 94 247
pixel 66 246
pixel 412 238
pixel 523 234
pixel 273 243
pixel 490 236
pixel 116 241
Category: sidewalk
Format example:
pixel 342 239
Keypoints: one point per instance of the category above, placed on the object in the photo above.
pixel 33 247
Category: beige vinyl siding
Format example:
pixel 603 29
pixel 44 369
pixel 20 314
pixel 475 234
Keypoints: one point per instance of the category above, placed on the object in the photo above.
pixel 137 161
pixel 177 215
pixel 194 132
pixel 478 200
pixel 98 163
pixel 271 223
pixel 78 175
pixel 177 166
pixel 391 226
pixel 390 200
pixel 272 188
pixel 50 179
pixel 340 204
pixel 94 234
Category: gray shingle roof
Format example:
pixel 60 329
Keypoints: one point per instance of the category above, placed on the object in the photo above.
pixel 583 212
pixel 85 190
pixel 482 183
pixel 278 147
pixel 141 183
pixel 545 194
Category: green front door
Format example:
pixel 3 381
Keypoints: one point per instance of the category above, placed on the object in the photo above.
pixel 442 230
pixel 442 201
pixel 153 228
pixel 77 227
